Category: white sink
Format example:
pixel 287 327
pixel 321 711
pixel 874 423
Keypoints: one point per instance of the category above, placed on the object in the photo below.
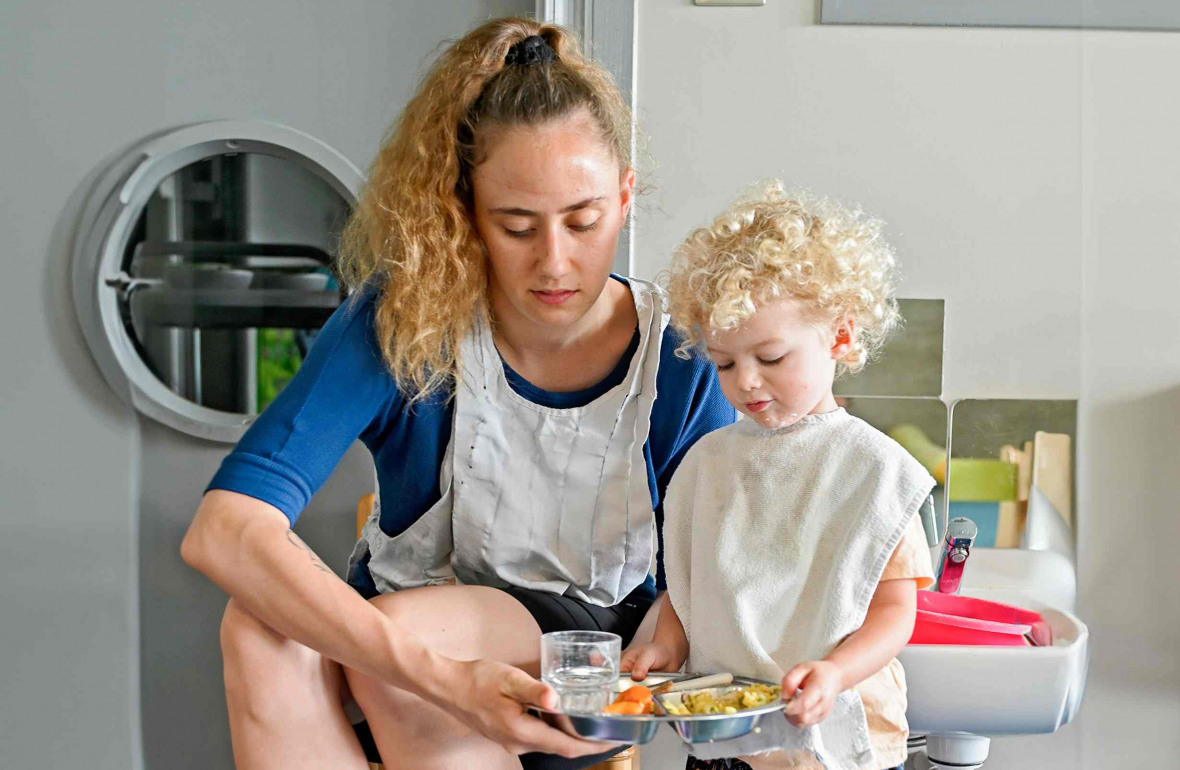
pixel 1004 690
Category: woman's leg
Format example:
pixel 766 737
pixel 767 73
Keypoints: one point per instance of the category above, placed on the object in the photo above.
pixel 464 623
pixel 286 701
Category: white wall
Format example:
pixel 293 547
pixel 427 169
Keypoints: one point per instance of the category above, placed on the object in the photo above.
pixel 92 503
pixel 1029 178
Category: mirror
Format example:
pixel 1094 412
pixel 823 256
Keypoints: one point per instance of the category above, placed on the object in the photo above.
pixel 1012 463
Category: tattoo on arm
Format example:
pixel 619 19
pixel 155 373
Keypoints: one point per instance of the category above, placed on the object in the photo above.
pixel 294 540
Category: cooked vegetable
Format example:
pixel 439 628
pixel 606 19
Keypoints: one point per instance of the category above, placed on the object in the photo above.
pixel 713 701
pixel 633 701
pixel 637 693
pixel 625 707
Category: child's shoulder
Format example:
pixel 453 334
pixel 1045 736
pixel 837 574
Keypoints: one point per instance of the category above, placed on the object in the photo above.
pixel 868 438
pixel 853 435
pixel 868 447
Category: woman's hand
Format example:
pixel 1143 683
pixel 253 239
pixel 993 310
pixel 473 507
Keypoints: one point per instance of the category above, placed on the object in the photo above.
pixel 492 698
pixel 650 657
pixel 812 688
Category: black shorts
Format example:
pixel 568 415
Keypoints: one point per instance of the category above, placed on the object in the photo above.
pixel 555 612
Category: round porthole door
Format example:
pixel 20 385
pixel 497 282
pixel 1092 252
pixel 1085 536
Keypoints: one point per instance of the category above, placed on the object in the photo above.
pixel 204 268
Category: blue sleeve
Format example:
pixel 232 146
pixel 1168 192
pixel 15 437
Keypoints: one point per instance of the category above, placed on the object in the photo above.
pixel 337 394
pixel 689 404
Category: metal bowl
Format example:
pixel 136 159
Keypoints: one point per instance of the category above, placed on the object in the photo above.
pixel 702 728
pixel 603 727
pixel 706 728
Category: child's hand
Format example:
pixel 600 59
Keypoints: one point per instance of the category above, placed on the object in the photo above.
pixel 649 657
pixel 814 687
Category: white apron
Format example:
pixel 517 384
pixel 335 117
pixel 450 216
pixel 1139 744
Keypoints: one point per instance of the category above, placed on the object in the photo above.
pixel 555 500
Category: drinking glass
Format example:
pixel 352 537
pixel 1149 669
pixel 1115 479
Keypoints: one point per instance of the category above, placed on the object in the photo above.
pixel 582 666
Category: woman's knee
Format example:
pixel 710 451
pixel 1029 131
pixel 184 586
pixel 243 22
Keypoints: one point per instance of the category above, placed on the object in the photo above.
pixel 464 622
pixel 363 687
pixel 245 639
pixel 389 708
pixel 259 662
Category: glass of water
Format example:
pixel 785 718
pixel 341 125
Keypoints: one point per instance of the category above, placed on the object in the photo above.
pixel 582 667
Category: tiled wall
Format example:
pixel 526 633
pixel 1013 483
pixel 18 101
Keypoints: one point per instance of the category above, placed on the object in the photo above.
pixel 981 451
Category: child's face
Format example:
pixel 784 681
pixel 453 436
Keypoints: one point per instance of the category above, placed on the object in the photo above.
pixel 778 366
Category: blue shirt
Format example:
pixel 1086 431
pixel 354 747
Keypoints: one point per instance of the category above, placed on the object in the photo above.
pixel 344 392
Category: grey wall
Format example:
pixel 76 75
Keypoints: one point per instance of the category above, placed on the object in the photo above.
pixel 100 622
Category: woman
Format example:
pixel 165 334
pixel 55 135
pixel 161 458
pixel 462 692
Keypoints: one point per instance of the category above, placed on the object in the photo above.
pixel 506 386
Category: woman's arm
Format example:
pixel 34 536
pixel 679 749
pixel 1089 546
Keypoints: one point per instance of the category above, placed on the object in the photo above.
pixel 241 537
pixel 888 625
pixel 247 548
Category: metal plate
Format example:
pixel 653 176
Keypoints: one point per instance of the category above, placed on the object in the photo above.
pixel 641 729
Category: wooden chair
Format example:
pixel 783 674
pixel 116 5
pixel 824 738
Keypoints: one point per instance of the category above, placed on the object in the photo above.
pixel 627 759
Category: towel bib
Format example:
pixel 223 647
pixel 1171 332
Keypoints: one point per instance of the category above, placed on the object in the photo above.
pixel 775 541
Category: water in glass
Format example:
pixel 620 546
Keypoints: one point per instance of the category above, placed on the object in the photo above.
pixel 582 667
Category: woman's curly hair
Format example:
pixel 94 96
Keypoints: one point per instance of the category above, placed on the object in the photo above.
pixel 411 238
pixel 770 246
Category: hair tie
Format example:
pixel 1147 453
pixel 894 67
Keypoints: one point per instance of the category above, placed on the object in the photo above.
pixel 531 50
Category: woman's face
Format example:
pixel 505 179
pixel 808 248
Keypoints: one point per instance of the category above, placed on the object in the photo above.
pixel 549 204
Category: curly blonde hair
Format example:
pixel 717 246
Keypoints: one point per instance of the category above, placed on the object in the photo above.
pixel 411 236
pixel 769 246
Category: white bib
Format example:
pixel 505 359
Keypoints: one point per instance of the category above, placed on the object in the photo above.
pixel 774 543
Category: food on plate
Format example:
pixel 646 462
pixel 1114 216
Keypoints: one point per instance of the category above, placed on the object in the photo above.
pixel 633 701
pixel 637 700
pixel 626 708
pixel 637 693
pixel 720 700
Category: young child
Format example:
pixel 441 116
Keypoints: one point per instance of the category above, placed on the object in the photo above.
pixel 792 543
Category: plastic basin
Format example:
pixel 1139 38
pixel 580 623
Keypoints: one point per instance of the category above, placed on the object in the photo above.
pixel 952 619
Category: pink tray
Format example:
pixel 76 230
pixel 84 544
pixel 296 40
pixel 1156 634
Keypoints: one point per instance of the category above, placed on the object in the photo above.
pixel 951 619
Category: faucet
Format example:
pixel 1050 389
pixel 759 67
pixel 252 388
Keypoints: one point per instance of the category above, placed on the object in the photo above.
pixel 956 547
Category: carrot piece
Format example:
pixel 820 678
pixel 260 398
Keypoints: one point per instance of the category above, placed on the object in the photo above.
pixel 636 693
pixel 624 707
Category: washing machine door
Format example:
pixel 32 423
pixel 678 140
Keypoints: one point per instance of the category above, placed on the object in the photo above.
pixel 203 268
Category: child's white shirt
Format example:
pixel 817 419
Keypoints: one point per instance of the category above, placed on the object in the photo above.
pixel 774 542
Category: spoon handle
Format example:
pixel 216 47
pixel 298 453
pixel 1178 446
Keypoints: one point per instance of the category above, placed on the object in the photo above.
pixel 694 683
